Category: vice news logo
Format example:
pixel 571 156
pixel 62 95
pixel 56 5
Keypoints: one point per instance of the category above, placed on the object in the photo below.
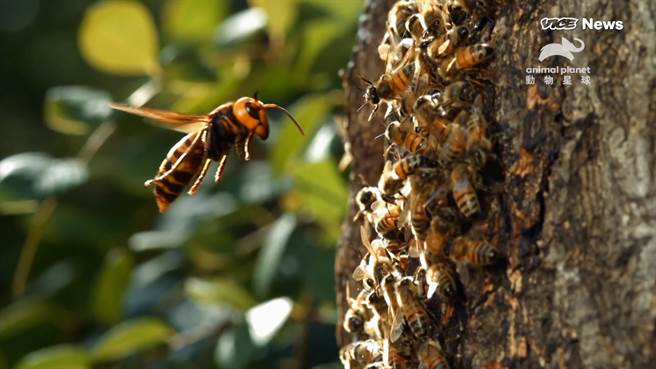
pixel 568 24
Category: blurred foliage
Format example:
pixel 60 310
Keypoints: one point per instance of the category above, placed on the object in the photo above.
pixel 238 276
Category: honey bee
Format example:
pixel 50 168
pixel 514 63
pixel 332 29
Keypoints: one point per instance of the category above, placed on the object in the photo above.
pixel 477 252
pixel 434 16
pixel 388 289
pixel 358 354
pixel 445 44
pixel 458 11
pixel 430 356
pixel 377 264
pixel 386 219
pixel 458 95
pixel 210 137
pixel 419 218
pixel 440 276
pixel 466 57
pixel 394 357
pixel 389 86
pixel 416 28
pixel 455 145
pixel 388 183
pixel 477 133
pixel 399 15
pixel 403 134
pixel 357 313
pixel 410 310
pixel 431 119
pixel 376 325
pixel 428 191
pixel 410 165
pixel 464 193
pixel 365 198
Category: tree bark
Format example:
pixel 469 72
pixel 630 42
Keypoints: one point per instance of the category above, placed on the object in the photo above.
pixel 574 210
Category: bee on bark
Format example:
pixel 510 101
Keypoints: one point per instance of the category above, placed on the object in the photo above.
pixel 359 354
pixel 403 134
pixel 399 15
pixel 376 264
pixel 455 145
pixel 394 357
pixel 433 15
pixel 466 57
pixel 389 183
pixel 389 86
pixel 410 310
pixel 477 252
pixel 377 325
pixel 430 356
pixel 431 120
pixel 365 198
pixel 477 132
pixel 386 218
pixel 410 164
pixel 464 193
pixel 357 313
pixel 458 11
pixel 441 276
pixel 459 95
pixel 388 289
pixel 443 45
pixel 210 137
pixel 419 218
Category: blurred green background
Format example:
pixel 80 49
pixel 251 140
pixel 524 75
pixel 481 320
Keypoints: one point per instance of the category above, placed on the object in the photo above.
pixel 238 276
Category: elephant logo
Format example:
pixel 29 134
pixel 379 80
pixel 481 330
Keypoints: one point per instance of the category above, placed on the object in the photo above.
pixel 565 49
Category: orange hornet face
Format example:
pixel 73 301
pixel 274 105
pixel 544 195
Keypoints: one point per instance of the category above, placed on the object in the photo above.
pixel 252 113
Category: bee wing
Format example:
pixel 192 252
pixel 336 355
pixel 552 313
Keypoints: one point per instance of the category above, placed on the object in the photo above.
pixel 413 249
pixel 359 273
pixel 397 328
pixel 443 47
pixel 187 123
pixel 364 235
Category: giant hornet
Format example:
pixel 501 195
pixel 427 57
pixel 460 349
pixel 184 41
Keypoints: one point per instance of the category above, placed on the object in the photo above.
pixel 209 138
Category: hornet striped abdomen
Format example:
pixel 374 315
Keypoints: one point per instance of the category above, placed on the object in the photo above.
pixel 209 138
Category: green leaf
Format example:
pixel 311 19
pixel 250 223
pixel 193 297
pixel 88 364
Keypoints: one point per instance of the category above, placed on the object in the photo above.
pixel 56 357
pixel 281 15
pixel 235 348
pixel 219 291
pixel 119 37
pixel 347 10
pixel 241 27
pixel 318 35
pixel 36 174
pixel 269 258
pixel 322 193
pixel 130 337
pixel 23 315
pixel 310 112
pixel 112 282
pixel 192 20
pixel 73 109
pixel 265 319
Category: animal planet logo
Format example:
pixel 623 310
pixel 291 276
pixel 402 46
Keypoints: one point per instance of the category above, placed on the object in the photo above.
pixel 565 49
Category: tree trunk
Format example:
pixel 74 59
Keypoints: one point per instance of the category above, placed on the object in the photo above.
pixel 574 209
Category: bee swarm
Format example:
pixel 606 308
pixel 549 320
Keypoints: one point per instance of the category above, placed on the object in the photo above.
pixel 423 221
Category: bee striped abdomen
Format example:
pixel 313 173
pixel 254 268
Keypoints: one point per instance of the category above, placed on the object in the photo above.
pixel 464 193
pixel 482 254
pixel 186 158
